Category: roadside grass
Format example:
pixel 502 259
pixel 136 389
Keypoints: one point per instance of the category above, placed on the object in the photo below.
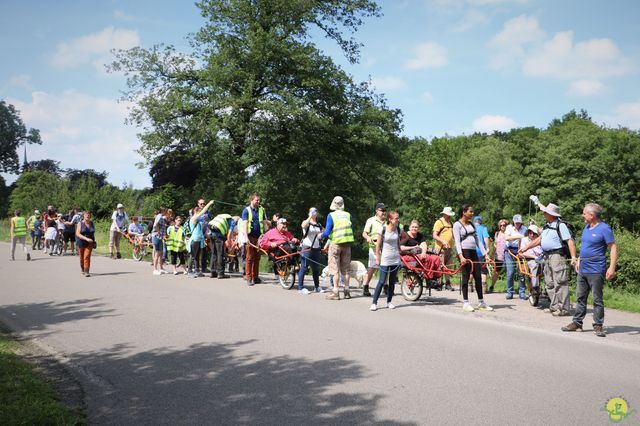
pixel 26 398
pixel 614 299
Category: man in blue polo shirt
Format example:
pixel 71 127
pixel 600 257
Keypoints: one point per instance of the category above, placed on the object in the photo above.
pixel 556 270
pixel 483 237
pixel 592 268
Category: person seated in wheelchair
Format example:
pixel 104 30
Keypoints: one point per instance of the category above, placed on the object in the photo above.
pixel 279 241
pixel 135 231
pixel 532 256
pixel 414 244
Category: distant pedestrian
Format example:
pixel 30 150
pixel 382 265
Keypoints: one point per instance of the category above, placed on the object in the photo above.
pixel 196 242
pixel 18 233
pixel 372 229
pixel 512 235
pixel 158 234
pixel 443 237
pixel 85 241
pixel 499 245
pixel 592 269
pixel 176 246
pixel 310 252
pixel 255 224
pixel 388 258
pixel 340 231
pixel 119 220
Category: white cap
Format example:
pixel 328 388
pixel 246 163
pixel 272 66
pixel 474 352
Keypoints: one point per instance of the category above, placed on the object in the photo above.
pixel 120 206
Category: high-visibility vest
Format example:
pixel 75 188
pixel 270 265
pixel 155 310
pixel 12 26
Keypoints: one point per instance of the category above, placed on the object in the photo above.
pixel 30 221
pixel 175 239
pixel 221 223
pixel 261 218
pixel 19 226
pixel 342 231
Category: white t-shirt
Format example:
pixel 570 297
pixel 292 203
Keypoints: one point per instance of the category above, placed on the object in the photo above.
pixel 242 237
pixel 313 235
pixel 120 220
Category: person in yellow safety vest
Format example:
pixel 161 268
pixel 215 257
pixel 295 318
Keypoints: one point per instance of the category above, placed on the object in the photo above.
pixel 30 227
pixel 176 245
pixel 372 228
pixel 255 224
pixel 18 233
pixel 220 229
pixel 340 231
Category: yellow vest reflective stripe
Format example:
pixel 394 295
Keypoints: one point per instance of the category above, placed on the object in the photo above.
pixel 260 219
pixel 19 226
pixel 30 221
pixel 175 239
pixel 221 223
pixel 342 231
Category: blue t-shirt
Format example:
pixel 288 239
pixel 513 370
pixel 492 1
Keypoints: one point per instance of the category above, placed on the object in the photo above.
pixel 594 248
pixel 549 237
pixel 254 226
pixel 483 233
pixel 36 228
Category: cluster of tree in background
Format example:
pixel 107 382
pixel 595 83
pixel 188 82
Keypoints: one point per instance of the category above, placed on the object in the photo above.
pixel 256 106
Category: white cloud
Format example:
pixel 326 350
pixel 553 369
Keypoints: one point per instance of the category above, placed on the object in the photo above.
pixel 626 115
pixel 428 55
pixel 585 88
pixel 94 48
pixel 490 123
pixel 20 81
pixel 471 19
pixel 510 43
pixel 83 131
pixel 561 58
pixel 123 16
pixel 427 97
pixel 388 83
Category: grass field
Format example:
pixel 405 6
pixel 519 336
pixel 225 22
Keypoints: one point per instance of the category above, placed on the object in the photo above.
pixel 612 299
pixel 26 398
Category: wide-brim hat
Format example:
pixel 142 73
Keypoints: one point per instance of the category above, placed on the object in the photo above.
pixel 337 203
pixel 448 211
pixel 119 206
pixel 552 209
pixel 534 229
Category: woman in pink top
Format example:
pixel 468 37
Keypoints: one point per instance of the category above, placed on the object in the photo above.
pixel 499 244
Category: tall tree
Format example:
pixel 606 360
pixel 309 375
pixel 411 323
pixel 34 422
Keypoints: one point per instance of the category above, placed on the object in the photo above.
pixel 260 107
pixel 47 165
pixel 13 134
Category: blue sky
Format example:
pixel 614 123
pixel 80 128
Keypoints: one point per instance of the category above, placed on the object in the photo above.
pixel 452 67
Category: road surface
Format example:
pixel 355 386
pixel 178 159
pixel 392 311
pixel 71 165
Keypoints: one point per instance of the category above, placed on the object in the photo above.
pixel 174 350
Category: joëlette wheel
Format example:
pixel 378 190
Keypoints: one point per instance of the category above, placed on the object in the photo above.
pixel 411 286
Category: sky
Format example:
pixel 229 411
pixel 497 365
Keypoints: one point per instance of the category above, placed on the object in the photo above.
pixel 451 66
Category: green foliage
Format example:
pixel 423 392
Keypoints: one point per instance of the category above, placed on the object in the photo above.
pixel 628 272
pixel 13 134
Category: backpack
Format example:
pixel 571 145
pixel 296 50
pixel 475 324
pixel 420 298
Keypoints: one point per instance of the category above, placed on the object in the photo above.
pixel 444 226
pixel 467 234
pixel 572 233
pixel 187 229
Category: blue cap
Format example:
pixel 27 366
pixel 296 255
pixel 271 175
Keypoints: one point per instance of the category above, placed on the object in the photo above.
pixel 477 219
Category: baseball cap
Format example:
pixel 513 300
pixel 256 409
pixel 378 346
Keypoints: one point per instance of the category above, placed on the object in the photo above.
pixel 517 218
pixel 381 206
pixel 120 206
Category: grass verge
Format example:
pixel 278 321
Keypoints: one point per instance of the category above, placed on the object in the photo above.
pixel 25 396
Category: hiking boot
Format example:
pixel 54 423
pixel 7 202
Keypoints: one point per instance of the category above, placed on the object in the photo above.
pixel 28 256
pixel 598 330
pixel 490 290
pixel 572 327
pixel 347 295
pixel 333 296
pixel 365 290
pixel 257 281
pixel 213 274
pixel 118 256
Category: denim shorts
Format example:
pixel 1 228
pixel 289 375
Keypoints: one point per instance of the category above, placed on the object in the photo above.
pixel 157 242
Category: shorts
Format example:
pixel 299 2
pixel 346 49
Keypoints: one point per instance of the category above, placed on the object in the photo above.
pixel 69 237
pixel 482 265
pixel 157 243
pixel 372 260
pixel 339 259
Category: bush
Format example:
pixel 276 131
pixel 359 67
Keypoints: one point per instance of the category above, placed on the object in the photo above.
pixel 628 272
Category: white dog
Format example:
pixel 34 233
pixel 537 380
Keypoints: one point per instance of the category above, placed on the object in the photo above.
pixel 357 271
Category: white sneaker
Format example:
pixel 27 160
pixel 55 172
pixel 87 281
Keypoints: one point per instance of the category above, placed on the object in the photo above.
pixel 175 272
pixel 391 306
pixel 467 307
pixel 484 307
pixel 373 307
pixel 162 271
pixel 304 291
pixel 156 272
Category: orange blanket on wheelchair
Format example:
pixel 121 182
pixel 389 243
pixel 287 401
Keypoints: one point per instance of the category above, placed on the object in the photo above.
pixel 426 264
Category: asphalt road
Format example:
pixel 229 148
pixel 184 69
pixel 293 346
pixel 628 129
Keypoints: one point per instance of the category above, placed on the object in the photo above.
pixel 174 350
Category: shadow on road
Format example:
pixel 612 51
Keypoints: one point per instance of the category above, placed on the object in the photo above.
pixel 223 384
pixel 49 313
pixel 111 273
pixel 622 329
pixel 433 300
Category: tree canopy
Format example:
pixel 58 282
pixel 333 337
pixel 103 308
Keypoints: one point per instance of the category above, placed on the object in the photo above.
pixel 13 134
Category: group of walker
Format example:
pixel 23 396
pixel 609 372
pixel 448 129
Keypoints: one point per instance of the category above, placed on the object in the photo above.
pixel 552 249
